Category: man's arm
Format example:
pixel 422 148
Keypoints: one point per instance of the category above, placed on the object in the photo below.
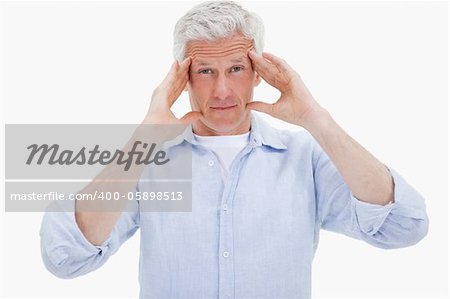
pixel 96 219
pixel 75 243
pixel 368 179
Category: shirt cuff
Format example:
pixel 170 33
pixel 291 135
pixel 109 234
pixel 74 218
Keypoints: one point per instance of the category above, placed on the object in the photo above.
pixel 407 202
pixel 370 217
pixel 63 239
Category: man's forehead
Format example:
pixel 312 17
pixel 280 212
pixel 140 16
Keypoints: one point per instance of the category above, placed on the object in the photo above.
pixel 237 57
pixel 235 49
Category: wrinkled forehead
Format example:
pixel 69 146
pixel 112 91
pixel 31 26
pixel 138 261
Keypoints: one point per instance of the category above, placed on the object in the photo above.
pixel 234 46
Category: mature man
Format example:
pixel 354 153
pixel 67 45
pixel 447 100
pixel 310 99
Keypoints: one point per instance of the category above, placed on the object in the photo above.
pixel 259 195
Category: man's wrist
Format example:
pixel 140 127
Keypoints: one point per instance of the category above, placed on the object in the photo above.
pixel 315 119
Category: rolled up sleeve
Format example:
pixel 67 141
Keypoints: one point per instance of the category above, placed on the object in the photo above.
pixel 404 222
pixel 67 253
pixel 401 223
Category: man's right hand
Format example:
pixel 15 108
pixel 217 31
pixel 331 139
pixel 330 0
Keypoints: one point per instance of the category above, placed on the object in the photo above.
pixel 96 220
pixel 167 93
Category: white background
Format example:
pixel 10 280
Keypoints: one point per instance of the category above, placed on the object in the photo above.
pixel 380 68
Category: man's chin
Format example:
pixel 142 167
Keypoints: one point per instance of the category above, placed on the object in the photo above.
pixel 221 126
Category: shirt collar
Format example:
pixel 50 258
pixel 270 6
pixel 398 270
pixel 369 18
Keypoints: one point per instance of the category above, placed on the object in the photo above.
pixel 261 133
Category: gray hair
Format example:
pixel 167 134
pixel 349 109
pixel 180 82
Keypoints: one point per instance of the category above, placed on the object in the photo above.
pixel 214 20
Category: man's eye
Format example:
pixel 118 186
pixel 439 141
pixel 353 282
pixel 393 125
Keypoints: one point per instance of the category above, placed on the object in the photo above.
pixel 205 71
pixel 236 69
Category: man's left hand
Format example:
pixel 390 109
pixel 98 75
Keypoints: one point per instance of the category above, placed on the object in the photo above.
pixel 296 105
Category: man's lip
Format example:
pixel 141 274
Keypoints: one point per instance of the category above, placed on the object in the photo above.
pixel 223 107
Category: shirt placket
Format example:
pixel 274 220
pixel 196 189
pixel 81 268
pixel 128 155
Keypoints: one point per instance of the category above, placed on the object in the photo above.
pixel 226 253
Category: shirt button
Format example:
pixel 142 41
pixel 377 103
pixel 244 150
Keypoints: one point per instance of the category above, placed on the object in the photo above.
pixel 210 162
pixel 225 207
pixel 225 254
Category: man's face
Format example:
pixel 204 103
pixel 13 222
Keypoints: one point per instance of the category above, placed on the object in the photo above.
pixel 221 81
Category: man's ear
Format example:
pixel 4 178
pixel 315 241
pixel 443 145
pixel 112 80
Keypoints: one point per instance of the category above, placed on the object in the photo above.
pixel 257 79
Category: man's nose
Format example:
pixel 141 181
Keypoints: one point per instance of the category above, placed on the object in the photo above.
pixel 222 88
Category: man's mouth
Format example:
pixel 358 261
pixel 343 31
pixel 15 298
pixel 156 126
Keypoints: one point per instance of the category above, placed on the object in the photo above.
pixel 221 108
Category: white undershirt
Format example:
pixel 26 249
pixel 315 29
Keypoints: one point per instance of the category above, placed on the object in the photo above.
pixel 225 148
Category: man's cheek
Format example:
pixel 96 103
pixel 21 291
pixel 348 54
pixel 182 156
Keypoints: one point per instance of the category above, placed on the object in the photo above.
pixel 195 105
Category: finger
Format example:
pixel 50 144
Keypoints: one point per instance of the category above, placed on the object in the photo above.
pixel 261 65
pixel 174 96
pixel 176 89
pixel 269 72
pixel 278 77
pixel 190 117
pixel 184 66
pixel 183 74
pixel 280 63
pixel 283 73
pixel 261 107
pixel 252 55
pixel 170 77
pixel 176 69
pixel 176 86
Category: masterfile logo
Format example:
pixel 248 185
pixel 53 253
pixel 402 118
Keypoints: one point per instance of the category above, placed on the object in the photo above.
pixel 55 155
pixel 54 163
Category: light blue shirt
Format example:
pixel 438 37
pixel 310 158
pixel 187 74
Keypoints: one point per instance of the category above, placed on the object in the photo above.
pixel 251 236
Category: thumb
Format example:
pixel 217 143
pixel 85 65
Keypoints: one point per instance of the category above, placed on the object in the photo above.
pixel 261 107
pixel 190 117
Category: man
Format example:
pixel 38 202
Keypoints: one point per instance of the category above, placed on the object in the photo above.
pixel 259 195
